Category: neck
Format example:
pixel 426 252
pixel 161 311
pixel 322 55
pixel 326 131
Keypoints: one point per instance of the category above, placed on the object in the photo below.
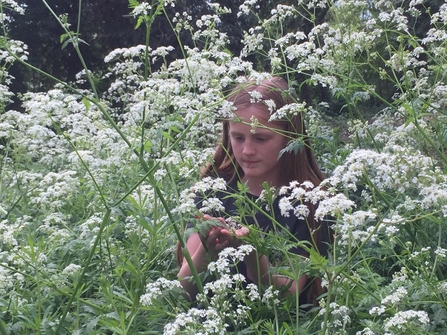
pixel 255 186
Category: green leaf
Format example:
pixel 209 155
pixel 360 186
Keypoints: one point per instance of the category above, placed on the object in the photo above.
pixel 294 145
pixel 139 22
pixel 167 135
pixel 148 146
pixel 317 261
pixel 174 129
pixel 133 3
pixel 86 103
pixel 203 226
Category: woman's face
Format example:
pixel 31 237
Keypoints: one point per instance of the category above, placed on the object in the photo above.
pixel 256 149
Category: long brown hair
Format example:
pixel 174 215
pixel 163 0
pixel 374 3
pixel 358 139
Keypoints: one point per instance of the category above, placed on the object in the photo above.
pixel 298 165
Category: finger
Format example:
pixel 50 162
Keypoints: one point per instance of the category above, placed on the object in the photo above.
pixel 213 233
pixel 226 233
pixel 221 219
pixel 220 245
pixel 244 231
pixel 213 236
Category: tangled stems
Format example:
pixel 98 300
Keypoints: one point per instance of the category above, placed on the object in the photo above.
pixel 64 180
pixel 80 283
pixel 2 328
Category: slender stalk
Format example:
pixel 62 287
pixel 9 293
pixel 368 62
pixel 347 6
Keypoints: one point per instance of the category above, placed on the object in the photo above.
pixel 80 282
pixel 185 251
pixel 3 328
pixel 327 311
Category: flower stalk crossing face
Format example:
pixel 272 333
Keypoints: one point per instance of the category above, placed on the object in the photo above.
pixel 133 148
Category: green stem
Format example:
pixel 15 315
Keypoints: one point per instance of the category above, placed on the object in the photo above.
pixel 75 44
pixel 3 328
pixel 327 307
pixel 80 283
pixel 185 251
pixel 429 140
pixel 150 171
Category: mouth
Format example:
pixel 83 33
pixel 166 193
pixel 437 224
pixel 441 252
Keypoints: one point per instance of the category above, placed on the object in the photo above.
pixel 250 163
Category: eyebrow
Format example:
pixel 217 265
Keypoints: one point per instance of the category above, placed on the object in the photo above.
pixel 263 133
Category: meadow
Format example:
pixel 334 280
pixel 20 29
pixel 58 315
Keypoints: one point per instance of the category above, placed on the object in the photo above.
pixel 97 187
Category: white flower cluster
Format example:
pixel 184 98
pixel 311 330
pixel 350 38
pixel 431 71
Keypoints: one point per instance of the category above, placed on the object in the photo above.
pixel 8 231
pixel 295 197
pixel 208 183
pixel 212 204
pixel 156 289
pixel 407 320
pixel 356 227
pixel 288 111
pixel 230 256
pixel 71 269
pixel 11 4
pixel 340 315
pixel 247 6
pixel 6 280
pixel 198 322
pixel 270 297
pixel 142 9
pixel 202 187
pixel 396 297
pixel 135 51
pixel 225 297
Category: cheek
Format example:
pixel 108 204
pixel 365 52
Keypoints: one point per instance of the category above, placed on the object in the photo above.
pixel 281 143
pixel 235 147
pixel 233 144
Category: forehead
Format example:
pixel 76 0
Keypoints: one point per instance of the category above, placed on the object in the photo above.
pixel 244 115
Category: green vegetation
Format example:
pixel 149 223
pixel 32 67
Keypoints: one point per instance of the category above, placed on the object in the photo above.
pixel 97 172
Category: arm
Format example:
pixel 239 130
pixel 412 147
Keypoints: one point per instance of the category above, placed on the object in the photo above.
pixel 202 249
pixel 258 272
pixel 200 261
pixel 258 266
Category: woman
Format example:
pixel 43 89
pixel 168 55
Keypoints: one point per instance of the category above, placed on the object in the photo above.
pixel 252 153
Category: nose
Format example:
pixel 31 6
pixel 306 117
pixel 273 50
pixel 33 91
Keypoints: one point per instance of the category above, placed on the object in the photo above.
pixel 248 148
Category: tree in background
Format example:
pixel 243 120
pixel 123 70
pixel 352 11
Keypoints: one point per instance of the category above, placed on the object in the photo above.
pixel 106 25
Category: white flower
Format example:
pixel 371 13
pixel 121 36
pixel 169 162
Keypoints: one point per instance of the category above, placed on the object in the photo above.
pixel 141 9
pixel 402 319
pixel 212 204
pixel 440 252
pixel 301 211
pixel 253 292
pixel 155 290
pixel 285 206
pixel 394 298
pixel 270 296
pixel 443 287
pixel 377 310
pixel 71 269
pixel 365 331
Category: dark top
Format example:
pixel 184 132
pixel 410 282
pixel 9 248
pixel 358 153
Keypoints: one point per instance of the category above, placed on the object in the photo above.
pixel 289 227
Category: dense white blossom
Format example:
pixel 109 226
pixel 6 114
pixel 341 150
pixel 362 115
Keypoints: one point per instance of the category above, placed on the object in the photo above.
pixel 70 155
pixel 156 289
pixel 404 319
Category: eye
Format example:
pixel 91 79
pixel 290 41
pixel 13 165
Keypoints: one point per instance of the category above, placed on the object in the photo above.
pixel 261 139
pixel 237 138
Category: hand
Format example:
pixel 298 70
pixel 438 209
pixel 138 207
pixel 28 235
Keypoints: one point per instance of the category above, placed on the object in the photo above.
pixel 220 237
pixel 233 236
pixel 212 239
